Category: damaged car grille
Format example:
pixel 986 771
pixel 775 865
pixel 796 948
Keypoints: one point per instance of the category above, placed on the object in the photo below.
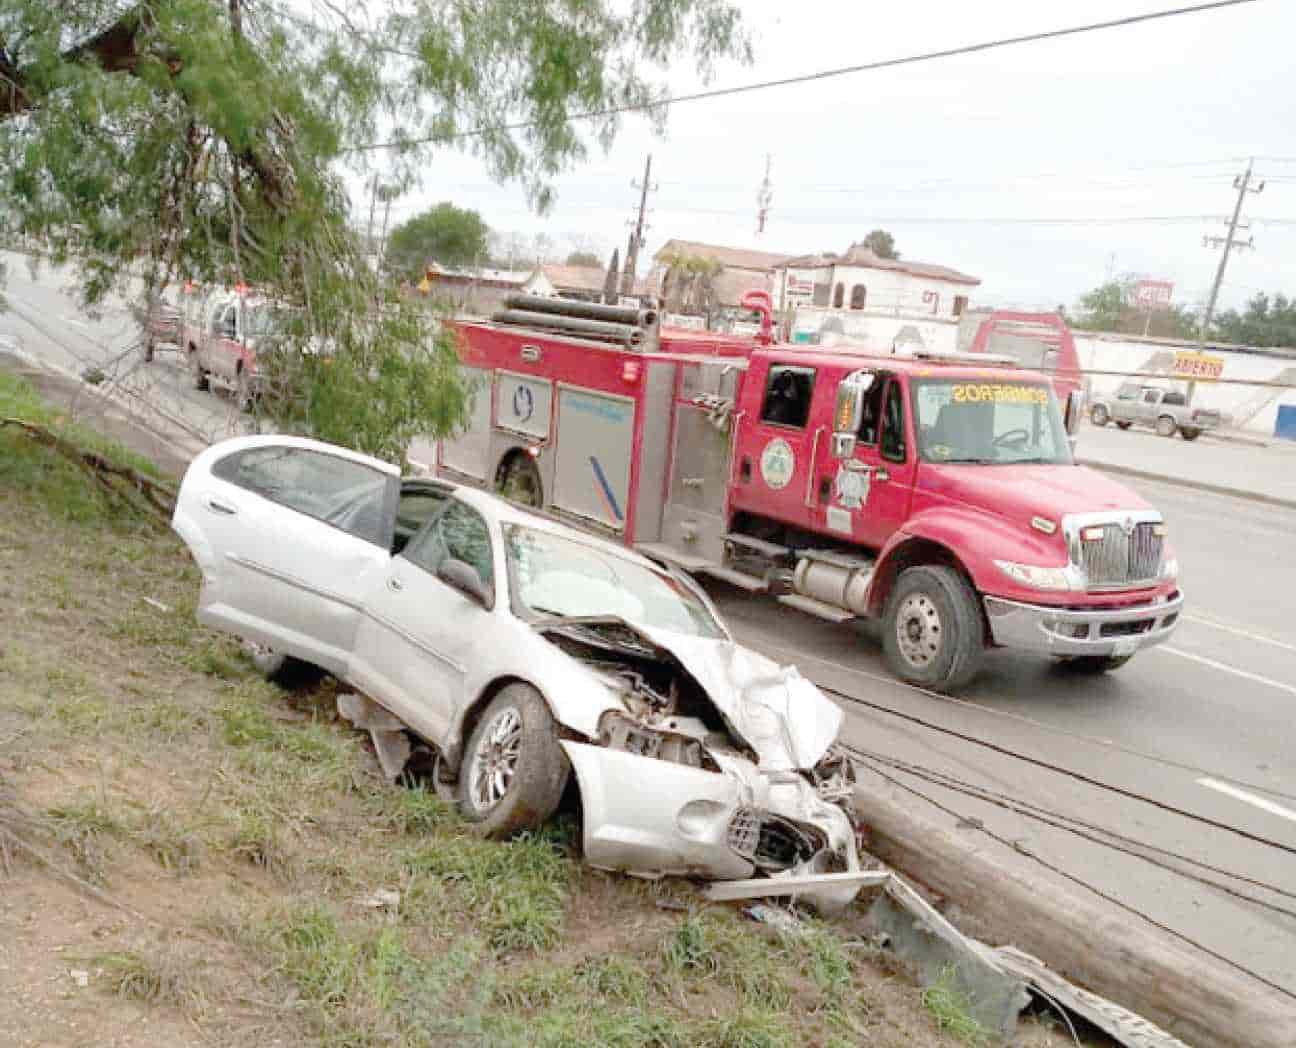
pixel 772 843
pixel 744 833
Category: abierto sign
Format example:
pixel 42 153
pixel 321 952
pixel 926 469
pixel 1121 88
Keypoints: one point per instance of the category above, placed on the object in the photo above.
pixel 1198 365
pixel 1153 294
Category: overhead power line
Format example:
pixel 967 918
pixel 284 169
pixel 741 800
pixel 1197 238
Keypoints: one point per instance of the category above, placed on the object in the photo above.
pixel 828 74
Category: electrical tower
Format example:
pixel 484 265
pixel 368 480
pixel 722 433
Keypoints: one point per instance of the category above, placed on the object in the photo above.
pixel 764 197
pixel 637 232
pixel 1242 183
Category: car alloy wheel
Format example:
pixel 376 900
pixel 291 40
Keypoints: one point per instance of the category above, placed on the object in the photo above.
pixel 918 630
pixel 493 764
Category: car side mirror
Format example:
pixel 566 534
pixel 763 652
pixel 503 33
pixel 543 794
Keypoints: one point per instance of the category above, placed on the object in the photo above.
pixel 1074 409
pixel 463 578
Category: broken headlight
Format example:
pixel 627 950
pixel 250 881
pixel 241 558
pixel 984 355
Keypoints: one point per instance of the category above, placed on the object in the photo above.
pixel 619 732
pixel 834 776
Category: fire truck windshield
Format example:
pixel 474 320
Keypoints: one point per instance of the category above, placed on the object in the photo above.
pixel 551 575
pixel 989 423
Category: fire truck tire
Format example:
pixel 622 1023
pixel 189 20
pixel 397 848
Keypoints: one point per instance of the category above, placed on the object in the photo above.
pixel 1099 416
pixel 518 480
pixel 1165 426
pixel 150 349
pixel 1124 425
pixel 1190 432
pixel 932 631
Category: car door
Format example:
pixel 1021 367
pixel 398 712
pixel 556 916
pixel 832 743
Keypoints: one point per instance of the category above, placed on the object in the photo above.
pixel 288 533
pixel 1148 407
pixel 779 445
pixel 419 636
pixel 886 467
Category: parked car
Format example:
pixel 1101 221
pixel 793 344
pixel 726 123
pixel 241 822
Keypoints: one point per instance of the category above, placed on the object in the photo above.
pixel 522 650
pixel 1165 410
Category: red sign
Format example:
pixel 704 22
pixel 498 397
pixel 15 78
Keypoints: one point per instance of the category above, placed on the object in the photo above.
pixel 1153 294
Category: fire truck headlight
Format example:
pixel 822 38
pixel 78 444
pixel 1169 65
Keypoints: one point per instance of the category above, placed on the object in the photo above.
pixel 1170 567
pixel 1034 576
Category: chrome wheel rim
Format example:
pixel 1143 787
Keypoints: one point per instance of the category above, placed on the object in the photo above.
pixel 494 761
pixel 918 630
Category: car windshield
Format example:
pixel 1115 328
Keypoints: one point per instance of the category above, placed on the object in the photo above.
pixel 989 423
pixel 554 576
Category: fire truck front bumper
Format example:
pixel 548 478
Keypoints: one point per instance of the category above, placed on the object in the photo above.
pixel 1071 632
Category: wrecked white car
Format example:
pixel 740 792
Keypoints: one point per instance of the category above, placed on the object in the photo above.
pixel 522 651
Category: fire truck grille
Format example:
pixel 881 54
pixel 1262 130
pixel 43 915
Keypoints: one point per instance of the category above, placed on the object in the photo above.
pixel 1122 557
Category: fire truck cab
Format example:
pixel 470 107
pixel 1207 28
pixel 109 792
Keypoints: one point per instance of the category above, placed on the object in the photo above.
pixel 937 493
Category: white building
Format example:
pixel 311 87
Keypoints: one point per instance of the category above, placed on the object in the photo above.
pixel 863 297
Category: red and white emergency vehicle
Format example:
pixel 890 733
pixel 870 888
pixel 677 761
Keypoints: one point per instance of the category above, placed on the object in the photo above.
pixel 220 329
pixel 936 493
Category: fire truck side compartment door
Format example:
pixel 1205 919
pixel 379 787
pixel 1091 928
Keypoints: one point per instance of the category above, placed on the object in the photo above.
pixel 469 452
pixel 595 447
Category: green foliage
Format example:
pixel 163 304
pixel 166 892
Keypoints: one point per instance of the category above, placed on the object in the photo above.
pixel 1265 322
pixel 950 1008
pixel 447 234
pixel 881 243
pixel 211 142
pixel 584 258
pixel 1110 307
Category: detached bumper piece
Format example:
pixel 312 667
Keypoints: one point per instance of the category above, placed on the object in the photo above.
pixel 1081 631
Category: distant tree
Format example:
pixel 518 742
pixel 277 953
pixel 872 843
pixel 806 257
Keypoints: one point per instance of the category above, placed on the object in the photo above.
pixel 689 284
pixel 1265 322
pixel 1110 307
pixel 882 244
pixel 583 258
pixel 447 234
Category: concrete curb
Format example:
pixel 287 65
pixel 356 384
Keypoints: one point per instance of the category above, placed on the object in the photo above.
pixel 1190 994
pixel 1183 482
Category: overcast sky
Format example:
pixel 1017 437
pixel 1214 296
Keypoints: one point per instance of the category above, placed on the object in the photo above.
pixel 1152 120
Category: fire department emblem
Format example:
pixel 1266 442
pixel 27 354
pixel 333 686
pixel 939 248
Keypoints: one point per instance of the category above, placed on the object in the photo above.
pixel 851 487
pixel 777 463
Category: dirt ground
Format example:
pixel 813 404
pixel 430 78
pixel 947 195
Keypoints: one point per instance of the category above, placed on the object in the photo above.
pixel 190 855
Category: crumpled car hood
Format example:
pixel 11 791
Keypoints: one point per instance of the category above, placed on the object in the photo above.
pixel 788 721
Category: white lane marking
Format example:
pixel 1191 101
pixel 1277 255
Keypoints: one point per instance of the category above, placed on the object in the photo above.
pixel 1289 688
pixel 78 323
pixel 1249 798
pixel 1240 632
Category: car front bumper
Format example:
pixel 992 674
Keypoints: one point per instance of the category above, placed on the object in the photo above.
pixel 1082 631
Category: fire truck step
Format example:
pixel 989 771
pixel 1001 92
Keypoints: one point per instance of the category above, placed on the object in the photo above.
pixel 837 560
pixel 741 579
pixel 690 562
pixel 816 607
pixel 767 549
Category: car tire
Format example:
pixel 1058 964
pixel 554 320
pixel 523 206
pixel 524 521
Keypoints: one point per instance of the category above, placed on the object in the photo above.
pixel 281 669
pixel 200 379
pixel 243 395
pixel 513 771
pixel 932 631
pixel 1096 663
pixel 1124 425
pixel 150 350
pixel 1099 416
pixel 518 480
pixel 1165 426
pixel 1190 433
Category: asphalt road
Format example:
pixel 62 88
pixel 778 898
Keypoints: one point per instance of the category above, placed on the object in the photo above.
pixel 1203 723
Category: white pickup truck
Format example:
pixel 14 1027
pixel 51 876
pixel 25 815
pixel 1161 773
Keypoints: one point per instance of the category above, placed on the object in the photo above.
pixel 1165 410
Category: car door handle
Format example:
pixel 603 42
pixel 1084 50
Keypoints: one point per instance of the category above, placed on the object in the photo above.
pixel 394 585
pixel 217 506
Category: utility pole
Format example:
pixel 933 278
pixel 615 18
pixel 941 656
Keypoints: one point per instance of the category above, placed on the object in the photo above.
pixel 1242 183
pixel 637 237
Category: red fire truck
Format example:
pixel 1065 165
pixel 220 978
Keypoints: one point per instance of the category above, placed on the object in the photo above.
pixel 936 492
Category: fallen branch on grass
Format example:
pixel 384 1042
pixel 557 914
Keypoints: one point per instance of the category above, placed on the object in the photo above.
pixel 157 498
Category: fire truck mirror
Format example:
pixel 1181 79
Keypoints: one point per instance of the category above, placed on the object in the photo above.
pixel 848 410
pixel 1074 410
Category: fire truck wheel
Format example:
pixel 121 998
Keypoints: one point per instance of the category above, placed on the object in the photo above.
pixel 1098 416
pixel 518 480
pixel 243 395
pixel 932 632
pixel 1190 433
pixel 149 349
pixel 1124 425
